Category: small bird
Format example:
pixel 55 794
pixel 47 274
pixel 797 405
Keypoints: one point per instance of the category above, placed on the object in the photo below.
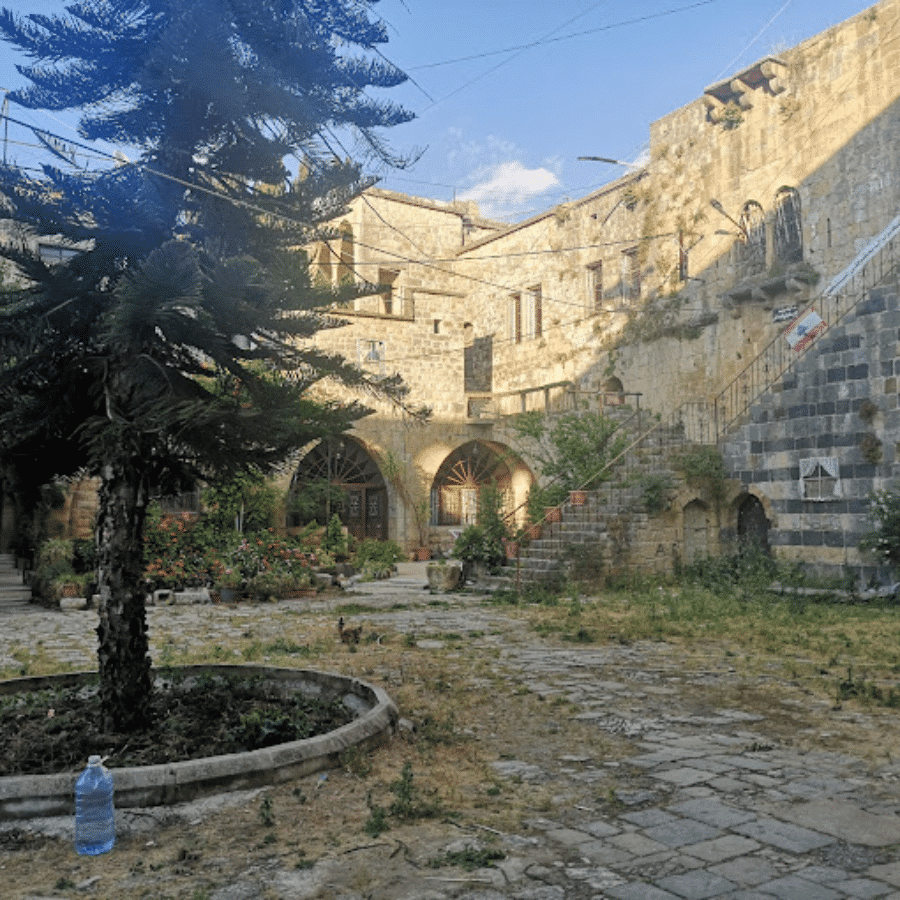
pixel 348 635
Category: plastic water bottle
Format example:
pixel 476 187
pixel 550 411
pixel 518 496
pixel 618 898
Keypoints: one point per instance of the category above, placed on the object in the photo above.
pixel 95 818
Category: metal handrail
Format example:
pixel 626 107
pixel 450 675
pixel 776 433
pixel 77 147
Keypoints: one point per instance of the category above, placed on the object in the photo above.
pixel 872 265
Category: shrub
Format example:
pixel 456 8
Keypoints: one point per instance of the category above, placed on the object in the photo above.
pixel 378 555
pixel 884 540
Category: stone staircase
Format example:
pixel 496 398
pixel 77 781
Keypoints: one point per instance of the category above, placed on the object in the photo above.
pixel 613 518
pixel 14 595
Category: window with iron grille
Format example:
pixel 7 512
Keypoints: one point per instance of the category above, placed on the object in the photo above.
pixel 788 229
pixel 532 313
pixel 751 248
pixel 631 274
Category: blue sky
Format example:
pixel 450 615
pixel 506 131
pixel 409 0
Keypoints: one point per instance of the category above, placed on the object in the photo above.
pixel 508 93
pixel 506 129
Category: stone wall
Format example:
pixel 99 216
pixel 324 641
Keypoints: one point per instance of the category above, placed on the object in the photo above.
pixel 664 284
pixel 814 449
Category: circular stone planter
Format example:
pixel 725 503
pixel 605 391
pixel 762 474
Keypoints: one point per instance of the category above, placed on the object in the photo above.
pixel 31 796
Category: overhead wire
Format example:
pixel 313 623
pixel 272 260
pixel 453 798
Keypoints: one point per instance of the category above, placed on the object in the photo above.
pixel 505 287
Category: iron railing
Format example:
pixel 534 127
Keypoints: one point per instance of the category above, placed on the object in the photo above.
pixel 870 267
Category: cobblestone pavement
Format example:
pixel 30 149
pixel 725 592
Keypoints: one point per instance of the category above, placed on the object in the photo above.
pixel 714 807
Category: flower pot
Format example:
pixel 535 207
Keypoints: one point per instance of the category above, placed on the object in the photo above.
pixel 423 553
pixel 553 514
pixel 577 498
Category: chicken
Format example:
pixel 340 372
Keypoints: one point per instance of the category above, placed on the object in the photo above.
pixel 348 635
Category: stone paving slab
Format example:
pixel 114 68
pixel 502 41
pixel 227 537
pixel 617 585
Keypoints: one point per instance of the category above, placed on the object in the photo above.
pixel 843 819
pixel 783 835
pixel 794 888
pixel 697 885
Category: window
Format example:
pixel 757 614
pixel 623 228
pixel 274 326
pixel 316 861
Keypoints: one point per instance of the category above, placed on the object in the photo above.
pixel 751 249
pixel 788 231
pixel 531 313
pixel 386 279
pixel 345 254
pixel 820 479
pixel 370 354
pixel 323 264
pixel 514 318
pixel 631 274
pixel 595 288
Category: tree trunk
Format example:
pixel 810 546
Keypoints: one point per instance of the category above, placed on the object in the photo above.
pixel 123 651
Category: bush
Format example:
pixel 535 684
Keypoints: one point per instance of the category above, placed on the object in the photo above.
pixel 377 555
pixel 750 568
pixel 884 541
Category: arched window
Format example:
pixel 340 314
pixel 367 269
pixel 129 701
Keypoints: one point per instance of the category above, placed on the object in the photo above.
pixel 752 246
pixel 613 392
pixel 788 228
pixel 752 525
pixel 460 479
pixel 339 476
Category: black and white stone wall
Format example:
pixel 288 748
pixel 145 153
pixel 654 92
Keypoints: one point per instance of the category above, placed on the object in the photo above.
pixel 816 446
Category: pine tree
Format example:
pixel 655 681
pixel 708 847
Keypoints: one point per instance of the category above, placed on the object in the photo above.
pixel 172 346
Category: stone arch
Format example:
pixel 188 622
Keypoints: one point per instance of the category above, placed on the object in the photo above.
pixel 696 523
pixel 613 392
pixel 338 475
pixel 752 524
pixel 788 226
pixel 465 472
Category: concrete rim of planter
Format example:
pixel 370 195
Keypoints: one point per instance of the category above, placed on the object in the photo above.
pixel 33 796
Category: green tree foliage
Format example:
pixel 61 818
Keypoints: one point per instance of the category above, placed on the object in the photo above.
pixel 570 452
pixel 884 540
pixel 244 503
pixel 173 346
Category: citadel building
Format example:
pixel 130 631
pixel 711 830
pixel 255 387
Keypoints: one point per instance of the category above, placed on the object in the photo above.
pixel 738 290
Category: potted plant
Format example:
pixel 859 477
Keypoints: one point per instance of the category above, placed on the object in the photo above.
pixel 264 587
pixel 230 582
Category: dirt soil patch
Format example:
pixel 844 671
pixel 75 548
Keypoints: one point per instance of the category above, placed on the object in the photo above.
pixel 51 731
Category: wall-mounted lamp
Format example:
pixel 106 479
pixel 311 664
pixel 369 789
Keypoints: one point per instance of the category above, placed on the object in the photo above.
pixel 721 210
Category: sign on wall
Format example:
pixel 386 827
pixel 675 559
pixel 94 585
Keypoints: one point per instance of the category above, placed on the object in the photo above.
pixel 804 330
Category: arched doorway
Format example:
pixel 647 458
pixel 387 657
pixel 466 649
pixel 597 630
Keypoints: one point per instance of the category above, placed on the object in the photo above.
pixel 613 392
pixel 752 524
pixel 339 476
pixel 460 479
pixel 696 531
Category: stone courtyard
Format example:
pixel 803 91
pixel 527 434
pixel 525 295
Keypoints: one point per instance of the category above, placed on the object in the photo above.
pixel 649 787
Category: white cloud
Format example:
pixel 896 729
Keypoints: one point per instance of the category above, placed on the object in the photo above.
pixel 507 187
